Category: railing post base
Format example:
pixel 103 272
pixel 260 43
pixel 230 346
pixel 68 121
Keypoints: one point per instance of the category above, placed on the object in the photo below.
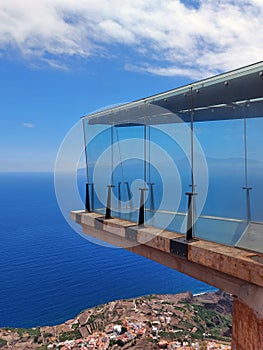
pixel 150 184
pixel 190 216
pixel 87 199
pixel 247 189
pixel 108 207
pixel 141 210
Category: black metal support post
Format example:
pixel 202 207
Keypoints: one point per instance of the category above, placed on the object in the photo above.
pixel 141 210
pixel 128 191
pixel 92 196
pixel 129 194
pixel 150 184
pixel 87 199
pixel 190 216
pixel 108 207
pixel 119 196
pixel 248 202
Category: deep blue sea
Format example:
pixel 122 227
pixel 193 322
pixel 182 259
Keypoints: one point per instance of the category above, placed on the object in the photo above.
pixel 49 273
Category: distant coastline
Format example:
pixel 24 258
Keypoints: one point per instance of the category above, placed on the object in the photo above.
pixel 202 293
pixel 147 322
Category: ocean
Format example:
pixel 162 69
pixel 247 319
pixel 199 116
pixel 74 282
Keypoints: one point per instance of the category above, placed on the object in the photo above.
pixel 49 273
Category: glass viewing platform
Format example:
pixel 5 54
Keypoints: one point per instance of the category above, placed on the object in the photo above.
pixel 189 160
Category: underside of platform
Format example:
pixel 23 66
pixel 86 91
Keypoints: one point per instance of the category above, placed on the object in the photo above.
pixel 237 271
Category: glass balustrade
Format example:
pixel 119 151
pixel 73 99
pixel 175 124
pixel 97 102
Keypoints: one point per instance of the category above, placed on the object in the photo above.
pixel 189 160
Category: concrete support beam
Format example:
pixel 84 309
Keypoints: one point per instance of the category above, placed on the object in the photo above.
pixel 234 270
pixel 236 263
pixel 233 261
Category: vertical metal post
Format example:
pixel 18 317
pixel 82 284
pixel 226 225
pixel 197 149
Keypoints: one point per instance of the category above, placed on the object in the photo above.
pixel 191 201
pixel 141 219
pixel 128 190
pixel 129 194
pixel 149 153
pixel 119 196
pixel 246 187
pixel 87 196
pixel 190 216
pixel 248 205
pixel 150 184
pixel 87 199
pixel 193 187
pixel 112 157
pixel 141 210
pixel 111 186
pixel 108 207
pixel 92 196
pixel 192 140
pixel 151 195
pixel 144 154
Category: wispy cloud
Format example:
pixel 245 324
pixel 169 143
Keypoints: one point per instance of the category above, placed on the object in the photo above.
pixel 28 125
pixel 166 37
pixel 171 70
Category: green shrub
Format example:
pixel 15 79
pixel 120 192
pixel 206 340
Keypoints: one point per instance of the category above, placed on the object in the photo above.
pixel 33 332
pixel 168 335
pixel 3 342
pixel 47 335
pixel 69 335
pixel 185 325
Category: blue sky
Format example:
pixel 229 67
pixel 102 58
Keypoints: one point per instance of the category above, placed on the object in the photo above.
pixel 62 59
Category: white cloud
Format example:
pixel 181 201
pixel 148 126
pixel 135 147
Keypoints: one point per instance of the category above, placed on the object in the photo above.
pixel 28 125
pixel 167 37
pixel 197 72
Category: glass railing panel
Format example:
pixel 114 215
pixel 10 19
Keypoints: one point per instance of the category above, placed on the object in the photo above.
pixel 255 168
pixel 168 164
pixel 128 174
pixel 252 238
pixel 164 195
pixel 223 215
pixel 99 165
